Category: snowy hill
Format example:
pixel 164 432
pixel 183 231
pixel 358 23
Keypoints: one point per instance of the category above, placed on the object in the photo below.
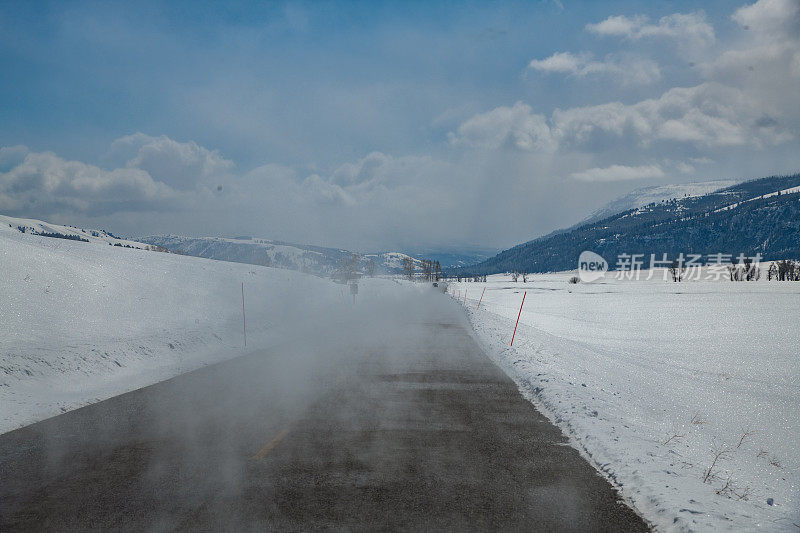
pixel 303 257
pixel 254 251
pixel 393 261
pixel 46 229
pixel 82 321
pixel 656 194
pixel 306 258
pixel 454 257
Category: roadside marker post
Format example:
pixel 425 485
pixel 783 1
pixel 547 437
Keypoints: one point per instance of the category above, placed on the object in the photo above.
pixel 481 299
pixel 244 319
pixel 519 315
pixel 465 297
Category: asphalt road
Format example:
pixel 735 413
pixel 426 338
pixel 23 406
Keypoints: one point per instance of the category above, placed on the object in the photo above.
pixel 371 422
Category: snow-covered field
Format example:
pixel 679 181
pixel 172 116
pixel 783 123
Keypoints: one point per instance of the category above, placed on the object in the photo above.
pixel 652 379
pixel 84 321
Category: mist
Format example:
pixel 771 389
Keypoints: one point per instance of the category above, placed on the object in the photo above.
pixel 334 368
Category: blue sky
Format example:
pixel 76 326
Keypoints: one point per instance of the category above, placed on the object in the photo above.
pixel 370 124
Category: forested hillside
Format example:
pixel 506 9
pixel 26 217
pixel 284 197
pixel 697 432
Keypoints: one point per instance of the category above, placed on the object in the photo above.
pixel 755 217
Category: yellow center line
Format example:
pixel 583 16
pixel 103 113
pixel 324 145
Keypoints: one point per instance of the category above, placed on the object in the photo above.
pixel 271 444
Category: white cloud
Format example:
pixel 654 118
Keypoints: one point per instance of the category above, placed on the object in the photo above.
pixel 151 173
pixel 764 61
pixel 379 169
pixel 564 62
pixel 44 183
pixel 506 163
pixel 775 18
pixel 686 28
pixel 183 165
pixel 770 49
pixel 367 169
pixel 323 191
pixel 374 192
pixel 619 25
pixel 514 127
pixel 628 70
pixel 619 173
pixel 707 115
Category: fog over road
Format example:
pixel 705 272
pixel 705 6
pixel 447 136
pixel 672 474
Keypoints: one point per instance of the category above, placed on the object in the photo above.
pixel 384 415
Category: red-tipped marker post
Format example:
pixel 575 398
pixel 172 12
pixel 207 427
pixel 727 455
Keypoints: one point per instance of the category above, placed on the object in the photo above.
pixel 479 301
pixel 519 315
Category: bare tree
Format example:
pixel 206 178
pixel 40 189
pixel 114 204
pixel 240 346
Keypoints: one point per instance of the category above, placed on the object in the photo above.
pixel 788 270
pixel 524 276
pixel 735 272
pixel 514 276
pixel 427 269
pixel 772 272
pixel 348 268
pixel 676 270
pixel 746 270
pixel 369 267
pixel 409 267
pixel 751 270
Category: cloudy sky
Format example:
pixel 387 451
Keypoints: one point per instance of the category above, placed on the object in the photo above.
pixel 374 125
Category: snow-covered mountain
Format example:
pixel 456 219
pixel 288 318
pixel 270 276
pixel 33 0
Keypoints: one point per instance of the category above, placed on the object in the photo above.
pixel 255 251
pixel 754 217
pixel 451 257
pixel 291 256
pixel 303 257
pixel 655 194
pixel 392 261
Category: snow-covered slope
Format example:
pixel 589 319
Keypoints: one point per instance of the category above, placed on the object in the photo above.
pixel 451 257
pixel 254 251
pixel 303 257
pixel 654 194
pixel 685 395
pixel 393 261
pixel 84 321
pixel 788 190
pixel 37 227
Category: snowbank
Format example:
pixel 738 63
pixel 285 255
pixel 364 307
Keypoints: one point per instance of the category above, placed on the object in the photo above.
pixel 652 379
pixel 84 321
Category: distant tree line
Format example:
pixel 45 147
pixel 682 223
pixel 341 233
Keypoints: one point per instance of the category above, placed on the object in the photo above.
pixel 747 270
pixel 465 279
pixel 784 270
pixel 55 235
